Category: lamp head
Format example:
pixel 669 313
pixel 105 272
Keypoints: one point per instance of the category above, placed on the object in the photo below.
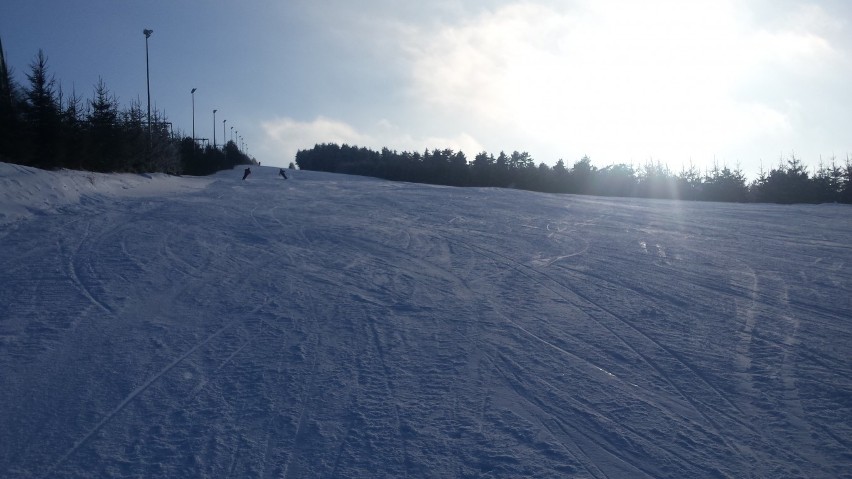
pixel 193 90
pixel 147 32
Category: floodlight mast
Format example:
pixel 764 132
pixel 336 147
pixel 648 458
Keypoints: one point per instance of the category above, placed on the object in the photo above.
pixel 193 114
pixel 148 33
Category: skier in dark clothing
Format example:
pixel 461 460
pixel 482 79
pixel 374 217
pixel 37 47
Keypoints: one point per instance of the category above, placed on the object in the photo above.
pixel 246 173
pixel 281 172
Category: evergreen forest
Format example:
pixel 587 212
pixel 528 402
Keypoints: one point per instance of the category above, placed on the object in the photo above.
pixel 43 126
pixel 788 182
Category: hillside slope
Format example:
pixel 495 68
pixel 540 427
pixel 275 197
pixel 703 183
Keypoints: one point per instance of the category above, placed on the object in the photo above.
pixel 336 326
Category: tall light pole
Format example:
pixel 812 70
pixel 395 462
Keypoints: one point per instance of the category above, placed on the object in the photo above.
pixel 148 33
pixel 237 138
pixel 232 133
pixel 193 114
pixel 214 129
pixel 224 136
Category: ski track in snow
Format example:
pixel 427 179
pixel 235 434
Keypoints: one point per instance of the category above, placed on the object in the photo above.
pixel 532 277
pixel 339 326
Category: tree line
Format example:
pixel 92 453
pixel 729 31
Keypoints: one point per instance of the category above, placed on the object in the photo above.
pixel 43 126
pixel 788 182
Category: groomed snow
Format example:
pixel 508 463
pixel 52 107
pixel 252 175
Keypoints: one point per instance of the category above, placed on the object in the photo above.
pixel 338 326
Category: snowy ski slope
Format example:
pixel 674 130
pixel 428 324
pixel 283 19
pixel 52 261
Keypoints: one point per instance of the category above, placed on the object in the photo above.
pixel 338 326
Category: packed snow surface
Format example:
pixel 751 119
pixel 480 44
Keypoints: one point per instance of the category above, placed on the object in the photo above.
pixel 337 326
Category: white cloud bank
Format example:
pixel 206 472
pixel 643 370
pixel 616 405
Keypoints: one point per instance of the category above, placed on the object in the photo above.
pixel 285 136
pixel 628 81
pixel 620 80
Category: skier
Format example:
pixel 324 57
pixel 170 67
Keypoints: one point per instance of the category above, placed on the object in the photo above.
pixel 246 173
pixel 281 172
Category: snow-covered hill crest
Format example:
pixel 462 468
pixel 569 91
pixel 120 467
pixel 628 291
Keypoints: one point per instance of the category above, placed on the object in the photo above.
pixel 26 191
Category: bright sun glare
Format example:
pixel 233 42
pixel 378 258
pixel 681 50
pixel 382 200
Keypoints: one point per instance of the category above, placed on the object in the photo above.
pixel 658 80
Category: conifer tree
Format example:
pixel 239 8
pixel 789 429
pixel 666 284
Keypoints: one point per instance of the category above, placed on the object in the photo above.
pixel 73 133
pixel 134 137
pixel 103 129
pixel 42 115
pixel 8 113
pixel 846 192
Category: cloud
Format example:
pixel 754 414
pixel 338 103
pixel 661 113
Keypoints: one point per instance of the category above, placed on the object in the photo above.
pixel 283 137
pixel 399 138
pixel 738 81
pixel 625 80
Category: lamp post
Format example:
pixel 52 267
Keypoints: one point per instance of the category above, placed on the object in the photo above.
pixel 237 138
pixel 232 133
pixel 224 136
pixel 214 129
pixel 193 114
pixel 148 33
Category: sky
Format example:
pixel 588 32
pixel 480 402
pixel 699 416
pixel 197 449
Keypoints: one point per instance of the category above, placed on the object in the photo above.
pixel 738 83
